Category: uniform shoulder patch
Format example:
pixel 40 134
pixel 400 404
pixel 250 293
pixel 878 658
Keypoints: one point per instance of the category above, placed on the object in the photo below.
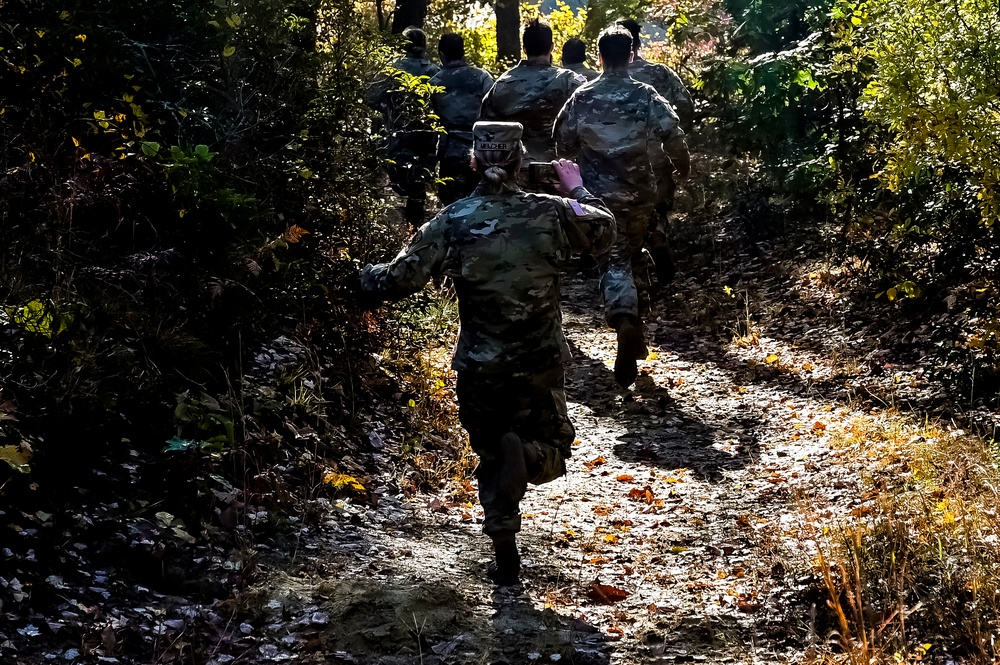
pixel 577 208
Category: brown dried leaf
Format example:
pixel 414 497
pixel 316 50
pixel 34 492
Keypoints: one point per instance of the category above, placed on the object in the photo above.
pixel 605 594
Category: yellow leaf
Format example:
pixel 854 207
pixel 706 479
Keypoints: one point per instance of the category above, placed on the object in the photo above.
pixel 76 141
pixel 64 15
pixel 306 173
pixel 82 38
pixel 339 481
pixel 76 62
pixel 771 358
pixel 15 458
pixel 411 404
pixel 891 293
pixel 228 51
pixel 653 355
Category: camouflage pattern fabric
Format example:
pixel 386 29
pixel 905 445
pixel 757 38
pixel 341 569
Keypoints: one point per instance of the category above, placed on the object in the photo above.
pixel 504 253
pixel 670 86
pixel 583 70
pixel 533 406
pixel 410 148
pixel 416 66
pixel 458 109
pixel 610 125
pixel 532 95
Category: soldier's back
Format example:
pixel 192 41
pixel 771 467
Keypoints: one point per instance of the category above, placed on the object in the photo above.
pixel 531 95
pixel 464 88
pixel 606 123
pixel 505 254
pixel 416 66
pixel 583 70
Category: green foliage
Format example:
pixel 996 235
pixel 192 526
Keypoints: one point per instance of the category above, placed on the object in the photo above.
pixel 181 184
pixel 935 88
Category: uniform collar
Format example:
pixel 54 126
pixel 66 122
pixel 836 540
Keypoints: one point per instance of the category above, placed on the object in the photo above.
pixel 615 74
pixel 455 64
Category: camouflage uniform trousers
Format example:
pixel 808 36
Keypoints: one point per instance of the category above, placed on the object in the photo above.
pixel 624 273
pixel 456 171
pixel 533 406
pixel 412 156
pixel 658 234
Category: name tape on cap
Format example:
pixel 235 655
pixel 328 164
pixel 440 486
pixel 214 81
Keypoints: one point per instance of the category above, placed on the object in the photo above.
pixel 493 145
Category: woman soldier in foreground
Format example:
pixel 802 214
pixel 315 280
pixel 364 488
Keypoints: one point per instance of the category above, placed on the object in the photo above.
pixel 505 249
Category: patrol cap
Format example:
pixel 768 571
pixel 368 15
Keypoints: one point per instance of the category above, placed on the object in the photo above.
pixel 499 136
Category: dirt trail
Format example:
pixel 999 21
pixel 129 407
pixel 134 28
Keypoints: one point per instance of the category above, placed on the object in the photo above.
pixel 676 536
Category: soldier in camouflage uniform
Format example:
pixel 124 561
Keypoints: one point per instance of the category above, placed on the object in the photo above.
pixel 532 92
pixel 574 52
pixel 504 249
pixel 670 86
pixel 457 107
pixel 610 125
pixel 411 146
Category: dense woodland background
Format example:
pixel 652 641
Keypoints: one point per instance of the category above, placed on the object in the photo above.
pixel 187 189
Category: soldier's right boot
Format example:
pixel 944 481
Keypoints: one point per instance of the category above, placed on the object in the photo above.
pixel 506 570
pixel 631 347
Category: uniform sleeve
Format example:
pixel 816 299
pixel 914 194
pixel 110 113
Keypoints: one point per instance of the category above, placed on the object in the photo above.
pixel 412 268
pixel 664 126
pixel 677 93
pixel 487 82
pixel 486 110
pixel 564 130
pixel 587 222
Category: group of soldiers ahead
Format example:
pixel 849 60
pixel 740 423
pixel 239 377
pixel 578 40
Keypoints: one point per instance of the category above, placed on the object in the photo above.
pixel 505 243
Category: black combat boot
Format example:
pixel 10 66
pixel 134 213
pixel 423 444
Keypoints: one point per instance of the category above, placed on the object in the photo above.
pixel 631 347
pixel 506 571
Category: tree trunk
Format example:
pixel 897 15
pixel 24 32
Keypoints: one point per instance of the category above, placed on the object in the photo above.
pixel 508 31
pixel 407 13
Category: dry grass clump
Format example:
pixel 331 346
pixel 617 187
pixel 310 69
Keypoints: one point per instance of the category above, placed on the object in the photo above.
pixel 914 573
pixel 435 450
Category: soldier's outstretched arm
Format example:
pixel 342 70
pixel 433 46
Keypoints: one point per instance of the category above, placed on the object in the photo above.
pixel 588 224
pixel 412 268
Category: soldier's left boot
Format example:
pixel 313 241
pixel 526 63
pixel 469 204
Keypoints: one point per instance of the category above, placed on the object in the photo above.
pixel 506 570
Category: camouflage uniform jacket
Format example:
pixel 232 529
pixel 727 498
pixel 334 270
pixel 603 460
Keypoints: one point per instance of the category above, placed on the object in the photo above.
pixel 458 106
pixel 531 95
pixel 583 70
pixel 610 124
pixel 666 82
pixel 505 253
pixel 416 66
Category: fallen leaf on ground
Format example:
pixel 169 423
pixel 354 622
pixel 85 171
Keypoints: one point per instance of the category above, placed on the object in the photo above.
pixel 605 594
pixel 625 478
pixel 597 461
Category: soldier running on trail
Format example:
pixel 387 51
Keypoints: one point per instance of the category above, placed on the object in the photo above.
pixel 671 87
pixel 574 53
pixel 457 107
pixel 411 145
pixel 505 250
pixel 532 92
pixel 611 124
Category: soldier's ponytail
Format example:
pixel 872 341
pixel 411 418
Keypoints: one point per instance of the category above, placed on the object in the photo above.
pixel 497 168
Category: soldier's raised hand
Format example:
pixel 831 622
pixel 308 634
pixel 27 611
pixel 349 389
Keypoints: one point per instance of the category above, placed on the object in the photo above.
pixel 569 174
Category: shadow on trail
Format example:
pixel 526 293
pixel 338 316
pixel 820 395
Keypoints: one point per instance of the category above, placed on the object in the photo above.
pixel 660 430
pixel 408 619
